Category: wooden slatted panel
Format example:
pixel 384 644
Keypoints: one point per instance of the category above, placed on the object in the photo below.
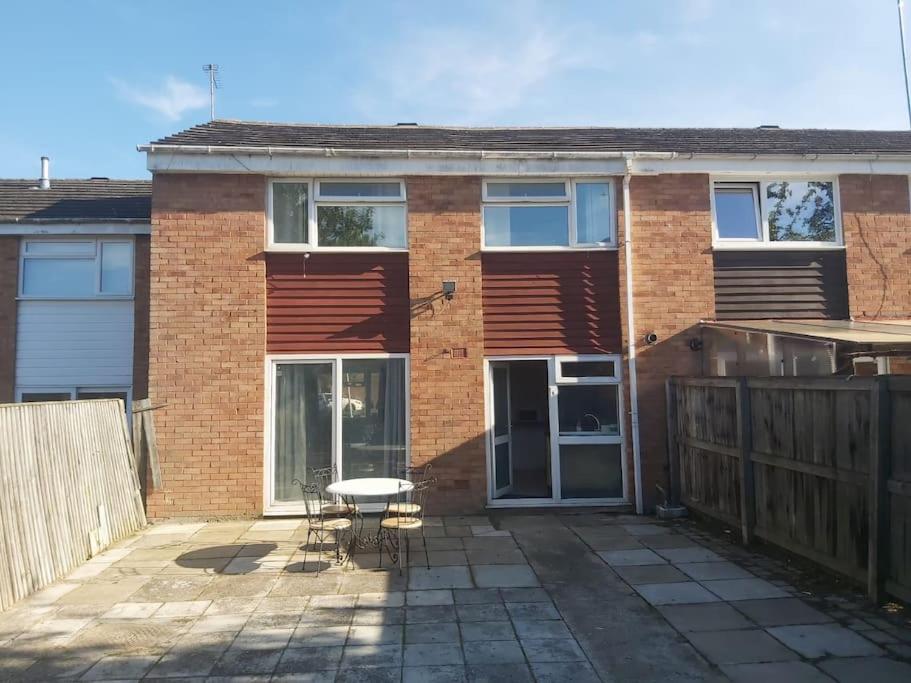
pixel 542 303
pixel 337 303
pixel 69 489
pixel 751 285
pixel 898 559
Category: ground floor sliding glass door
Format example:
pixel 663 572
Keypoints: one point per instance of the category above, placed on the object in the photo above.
pixel 350 411
pixel 555 431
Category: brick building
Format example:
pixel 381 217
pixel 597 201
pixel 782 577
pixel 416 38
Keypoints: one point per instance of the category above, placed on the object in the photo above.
pixel 505 304
pixel 74 298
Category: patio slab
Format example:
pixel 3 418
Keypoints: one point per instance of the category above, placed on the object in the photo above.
pixel 682 593
pixel 744 589
pixel 504 576
pixel 781 612
pixel 740 647
pixel 631 558
pixel 867 670
pixel 821 640
pixel 779 672
pixel 522 609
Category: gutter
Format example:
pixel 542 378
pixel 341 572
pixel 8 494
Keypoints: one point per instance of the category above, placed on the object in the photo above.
pixel 631 330
pixel 405 153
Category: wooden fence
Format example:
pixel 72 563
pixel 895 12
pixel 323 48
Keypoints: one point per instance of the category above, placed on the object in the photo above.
pixel 820 466
pixel 68 488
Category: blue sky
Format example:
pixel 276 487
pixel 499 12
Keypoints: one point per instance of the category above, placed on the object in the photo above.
pixel 85 82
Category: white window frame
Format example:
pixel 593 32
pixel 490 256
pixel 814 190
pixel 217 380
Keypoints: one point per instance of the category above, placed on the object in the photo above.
pixel 606 379
pixel 271 507
pixel 553 390
pixel 73 391
pixel 762 240
pixel 98 244
pixel 568 200
pixel 314 200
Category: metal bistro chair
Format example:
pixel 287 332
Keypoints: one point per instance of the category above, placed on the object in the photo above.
pixel 394 526
pixel 322 477
pixel 319 526
pixel 409 506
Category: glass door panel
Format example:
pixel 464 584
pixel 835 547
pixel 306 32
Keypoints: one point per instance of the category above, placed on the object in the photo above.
pixel 502 446
pixel 589 410
pixel 591 470
pixel 302 424
pixel 373 417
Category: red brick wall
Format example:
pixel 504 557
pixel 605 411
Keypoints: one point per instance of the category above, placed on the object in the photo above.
pixel 141 318
pixel 9 289
pixel 447 352
pixel 673 287
pixel 877 225
pixel 207 339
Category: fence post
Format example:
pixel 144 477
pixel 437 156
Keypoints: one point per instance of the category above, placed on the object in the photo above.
pixel 880 436
pixel 673 453
pixel 745 434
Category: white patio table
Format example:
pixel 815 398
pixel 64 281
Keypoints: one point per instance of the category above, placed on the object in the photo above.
pixel 368 487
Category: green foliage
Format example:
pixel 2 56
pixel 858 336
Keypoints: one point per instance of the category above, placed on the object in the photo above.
pixel 347 226
pixel 809 218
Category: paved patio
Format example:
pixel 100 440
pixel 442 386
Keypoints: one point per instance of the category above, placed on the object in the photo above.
pixel 518 597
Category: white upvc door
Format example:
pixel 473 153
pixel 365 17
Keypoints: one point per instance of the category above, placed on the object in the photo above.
pixel 501 432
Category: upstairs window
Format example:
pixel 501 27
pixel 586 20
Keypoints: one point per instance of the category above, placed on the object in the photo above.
pixel 548 214
pixel 76 269
pixel 777 212
pixel 307 215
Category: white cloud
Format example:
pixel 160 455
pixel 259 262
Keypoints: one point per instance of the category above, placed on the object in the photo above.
pixel 171 99
pixel 468 76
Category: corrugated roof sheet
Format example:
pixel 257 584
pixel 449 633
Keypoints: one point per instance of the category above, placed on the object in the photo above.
pixel 846 331
pixel 227 133
pixel 95 200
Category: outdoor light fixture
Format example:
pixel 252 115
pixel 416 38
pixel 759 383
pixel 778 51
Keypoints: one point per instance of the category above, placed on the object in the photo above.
pixel 449 288
pixel 651 338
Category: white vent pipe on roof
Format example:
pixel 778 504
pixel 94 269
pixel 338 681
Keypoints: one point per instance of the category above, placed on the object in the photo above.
pixel 45 181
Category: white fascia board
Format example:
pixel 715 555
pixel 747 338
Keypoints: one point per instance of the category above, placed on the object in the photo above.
pixel 371 163
pixel 75 229
pixel 774 165
pixel 286 165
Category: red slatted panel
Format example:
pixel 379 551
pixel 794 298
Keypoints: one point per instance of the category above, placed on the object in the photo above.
pixel 542 303
pixel 342 303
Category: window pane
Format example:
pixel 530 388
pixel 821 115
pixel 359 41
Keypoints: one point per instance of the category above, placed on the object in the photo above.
pixel 344 189
pixel 65 277
pixel 593 213
pixel 587 368
pixel 526 189
pixel 38 397
pixel 500 401
pixel 735 213
pixel 801 212
pixel 60 248
pixel 86 394
pixel 588 410
pixel 591 471
pixel 302 424
pixel 289 213
pixel 526 226
pixel 361 226
pixel 116 267
pixel 373 417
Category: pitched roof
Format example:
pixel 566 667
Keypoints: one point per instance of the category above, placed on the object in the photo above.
pixel 228 133
pixel 76 201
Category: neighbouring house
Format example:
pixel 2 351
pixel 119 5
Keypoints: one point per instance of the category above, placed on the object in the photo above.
pixel 504 303
pixel 74 297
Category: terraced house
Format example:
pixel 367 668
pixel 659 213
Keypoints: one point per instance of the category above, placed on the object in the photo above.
pixel 504 303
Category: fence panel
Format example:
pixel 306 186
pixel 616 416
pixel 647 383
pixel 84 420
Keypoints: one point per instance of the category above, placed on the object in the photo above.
pixel 69 489
pixel 707 438
pixel 818 466
pixel 898 506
